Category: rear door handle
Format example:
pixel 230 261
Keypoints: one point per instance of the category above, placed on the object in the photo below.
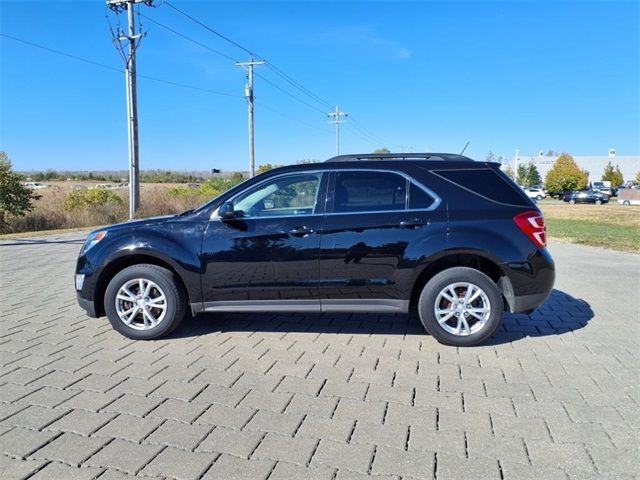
pixel 301 231
pixel 413 223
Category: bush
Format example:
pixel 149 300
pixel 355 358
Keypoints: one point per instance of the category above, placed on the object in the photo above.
pixel 94 198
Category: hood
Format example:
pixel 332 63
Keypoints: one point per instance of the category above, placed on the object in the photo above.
pixel 133 224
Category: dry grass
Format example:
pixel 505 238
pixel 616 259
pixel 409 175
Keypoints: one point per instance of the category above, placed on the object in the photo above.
pixel 49 212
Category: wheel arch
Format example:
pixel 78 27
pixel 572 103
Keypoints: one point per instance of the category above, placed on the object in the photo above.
pixel 469 259
pixel 120 263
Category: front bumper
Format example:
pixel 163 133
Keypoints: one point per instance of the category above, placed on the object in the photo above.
pixel 88 305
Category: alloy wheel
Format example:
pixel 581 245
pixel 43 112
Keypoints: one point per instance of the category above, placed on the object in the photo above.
pixel 462 308
pixel 141 304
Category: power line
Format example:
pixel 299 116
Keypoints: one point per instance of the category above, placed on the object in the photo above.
pixel 253 54
pixel 114 69
pixel 276 70
pixel 64 54
pixel 310 125
pixel 299 86
pixel 193 19
pixel 277 87
pixel 186 37
pixel 207 47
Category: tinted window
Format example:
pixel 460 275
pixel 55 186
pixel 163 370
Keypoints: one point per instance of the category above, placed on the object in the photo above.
pixel 488 183
pixel 287 195
pixel 418 198
pixel 369 191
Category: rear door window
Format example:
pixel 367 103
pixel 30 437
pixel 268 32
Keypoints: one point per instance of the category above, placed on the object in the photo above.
pixel 362 191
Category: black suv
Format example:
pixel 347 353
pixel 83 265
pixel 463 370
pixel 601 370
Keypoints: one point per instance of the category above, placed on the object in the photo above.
pixel 453 239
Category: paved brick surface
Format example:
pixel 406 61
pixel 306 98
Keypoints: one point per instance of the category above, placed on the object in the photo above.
pixel 555 394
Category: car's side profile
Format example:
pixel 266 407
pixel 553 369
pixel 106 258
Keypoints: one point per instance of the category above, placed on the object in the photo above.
pixel 450 238
pixel 535 193
pixel 586 196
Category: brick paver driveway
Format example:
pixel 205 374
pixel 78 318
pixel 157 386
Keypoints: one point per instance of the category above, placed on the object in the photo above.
pixel 554 395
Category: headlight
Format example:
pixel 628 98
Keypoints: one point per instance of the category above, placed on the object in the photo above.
pixel 92 239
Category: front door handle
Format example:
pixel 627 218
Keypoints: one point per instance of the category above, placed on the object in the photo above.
pixel 301 231
pixel 413 223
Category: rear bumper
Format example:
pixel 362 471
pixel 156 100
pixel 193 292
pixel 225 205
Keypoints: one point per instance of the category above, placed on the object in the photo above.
pixel 88 305
pixel 527 285
pixel 527 303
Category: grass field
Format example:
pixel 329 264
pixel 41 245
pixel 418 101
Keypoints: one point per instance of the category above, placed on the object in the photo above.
pixel 612 226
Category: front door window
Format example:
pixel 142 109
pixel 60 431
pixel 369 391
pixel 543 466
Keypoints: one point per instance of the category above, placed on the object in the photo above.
pixel 288 195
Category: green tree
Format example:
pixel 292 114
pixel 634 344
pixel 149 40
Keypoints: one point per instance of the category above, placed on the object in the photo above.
pixel 382 150
pixel 638 177
pixel 521 175
pixel 15 198
pixel 613 175
pixel 528 175
pixel 566 175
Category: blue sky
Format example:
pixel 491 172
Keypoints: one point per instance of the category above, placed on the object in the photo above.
pixel 418 75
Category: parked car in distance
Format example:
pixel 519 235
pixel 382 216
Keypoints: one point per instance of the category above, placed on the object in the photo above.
pixel 629 196
pixel 586 196
pixel 606 190
pixel 439 234
pixel 535 192
pixel 35 185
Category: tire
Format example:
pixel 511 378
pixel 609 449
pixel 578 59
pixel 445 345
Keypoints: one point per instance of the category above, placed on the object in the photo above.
pixel 539 197
pixel 598 202
pixel 458 279
pixel 626 202
pixel 572 202
pixel 167 302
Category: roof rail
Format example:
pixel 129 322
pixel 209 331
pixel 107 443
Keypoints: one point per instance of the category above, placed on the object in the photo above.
pixel 398 156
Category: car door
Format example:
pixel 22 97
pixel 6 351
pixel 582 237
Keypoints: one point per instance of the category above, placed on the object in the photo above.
pixel 375 227
pixel 266 257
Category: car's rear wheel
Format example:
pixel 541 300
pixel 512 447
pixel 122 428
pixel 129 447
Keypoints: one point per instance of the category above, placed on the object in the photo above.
pixel 598 202
pixel 539 197
pixel 572 201
pixel 144 302
pixel 626 202
pixel 460 306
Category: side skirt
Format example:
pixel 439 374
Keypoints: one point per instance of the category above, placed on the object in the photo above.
pixel 357 305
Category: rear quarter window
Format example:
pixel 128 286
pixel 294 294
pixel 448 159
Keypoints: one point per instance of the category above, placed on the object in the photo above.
pixel 487 183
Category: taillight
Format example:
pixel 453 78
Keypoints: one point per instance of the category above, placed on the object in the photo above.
pixel 532 225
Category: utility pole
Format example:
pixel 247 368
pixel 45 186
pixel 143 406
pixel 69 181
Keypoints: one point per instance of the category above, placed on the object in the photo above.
pixel 248 93
pixel 336 116
pixel 132 102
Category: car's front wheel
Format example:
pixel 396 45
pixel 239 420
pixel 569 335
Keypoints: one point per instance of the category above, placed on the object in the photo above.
pixel 598 202
pixel 460 306
pixel 144 302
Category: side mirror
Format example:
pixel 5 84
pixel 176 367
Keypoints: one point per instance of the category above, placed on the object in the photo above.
pixel 226 211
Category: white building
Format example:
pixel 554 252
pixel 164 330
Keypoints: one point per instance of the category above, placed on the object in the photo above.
pixel 594 164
